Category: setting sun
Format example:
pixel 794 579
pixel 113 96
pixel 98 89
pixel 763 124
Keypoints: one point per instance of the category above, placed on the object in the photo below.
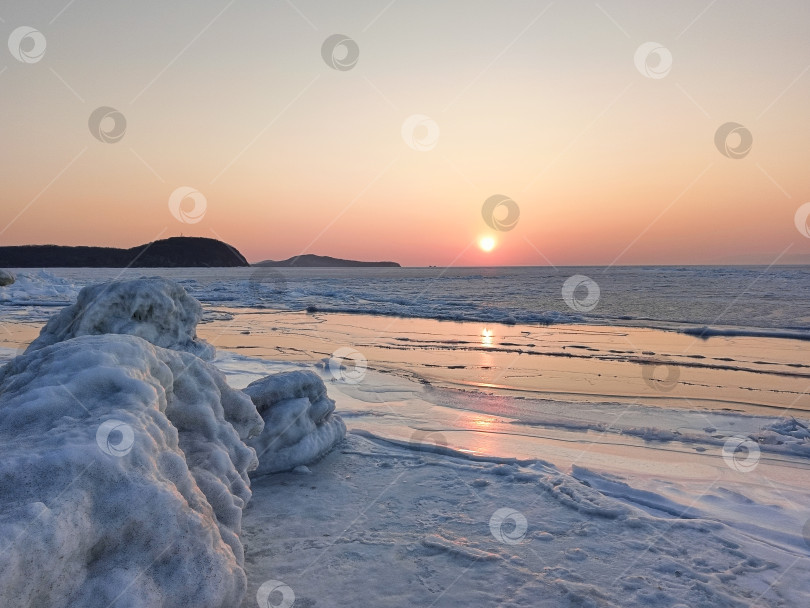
pixel 486 243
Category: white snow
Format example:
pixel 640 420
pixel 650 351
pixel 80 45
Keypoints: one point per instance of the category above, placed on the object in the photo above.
pixel 124 475
pixel 299 423
pixel 156 309
pixel 383 525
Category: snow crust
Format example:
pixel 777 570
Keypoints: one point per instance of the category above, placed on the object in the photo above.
pixel 300 424
pixel 155 309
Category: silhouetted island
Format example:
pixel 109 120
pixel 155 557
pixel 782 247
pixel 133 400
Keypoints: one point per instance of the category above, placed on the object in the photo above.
pixel 174 252
pixel 323 261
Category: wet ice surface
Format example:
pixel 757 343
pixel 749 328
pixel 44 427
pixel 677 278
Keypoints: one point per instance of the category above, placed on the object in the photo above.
pixel 691 521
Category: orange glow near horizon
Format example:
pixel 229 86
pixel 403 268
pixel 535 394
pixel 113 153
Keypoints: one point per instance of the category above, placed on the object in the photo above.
pixel 394 158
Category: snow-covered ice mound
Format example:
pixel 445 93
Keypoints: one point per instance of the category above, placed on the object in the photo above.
pixel 38 287
pixel 299 423
pixel 123 468
pixel 155 309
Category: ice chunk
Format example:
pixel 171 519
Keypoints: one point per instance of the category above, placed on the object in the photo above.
pixel 300 426
pixel 155 309
pixel 123 473
pixel 38 288
pixel 6 278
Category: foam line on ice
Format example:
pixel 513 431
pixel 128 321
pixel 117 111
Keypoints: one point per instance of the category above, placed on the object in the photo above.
pixel 731 332
pixel 445 451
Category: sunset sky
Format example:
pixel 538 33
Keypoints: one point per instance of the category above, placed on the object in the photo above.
pixel 542 102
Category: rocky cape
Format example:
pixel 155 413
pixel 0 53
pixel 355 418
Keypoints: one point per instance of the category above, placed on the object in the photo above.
pixel 323 261
pixel 175 252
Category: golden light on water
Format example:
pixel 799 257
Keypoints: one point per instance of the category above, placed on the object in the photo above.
pixel 486 243
pixel 486 337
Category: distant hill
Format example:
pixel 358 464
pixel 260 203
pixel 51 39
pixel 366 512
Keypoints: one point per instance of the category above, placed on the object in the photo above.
pixel 323 261
pixel 175 252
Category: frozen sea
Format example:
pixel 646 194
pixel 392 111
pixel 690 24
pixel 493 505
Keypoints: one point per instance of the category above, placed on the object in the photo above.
pixel 769 299
pixel 634 436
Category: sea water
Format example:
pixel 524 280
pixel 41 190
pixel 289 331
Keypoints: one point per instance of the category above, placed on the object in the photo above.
pixel 748 299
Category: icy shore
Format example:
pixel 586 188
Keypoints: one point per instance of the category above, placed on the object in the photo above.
pixel 126 480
